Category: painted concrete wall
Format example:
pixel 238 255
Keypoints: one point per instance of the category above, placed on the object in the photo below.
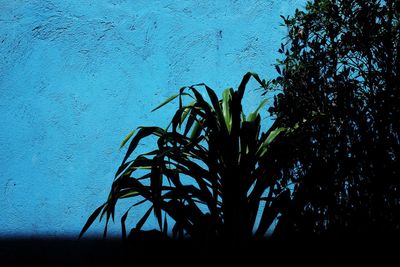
pixel 77 76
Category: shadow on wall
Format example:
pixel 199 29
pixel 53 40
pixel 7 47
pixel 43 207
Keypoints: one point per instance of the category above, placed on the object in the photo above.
pixel 47 252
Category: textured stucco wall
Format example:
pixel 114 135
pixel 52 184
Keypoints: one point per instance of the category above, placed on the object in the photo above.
pixel 76 76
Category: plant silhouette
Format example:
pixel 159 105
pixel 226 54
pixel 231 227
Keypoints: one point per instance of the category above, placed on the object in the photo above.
pixel 342 59
pixel 209 174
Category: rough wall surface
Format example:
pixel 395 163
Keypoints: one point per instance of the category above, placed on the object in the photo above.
pixel 77 76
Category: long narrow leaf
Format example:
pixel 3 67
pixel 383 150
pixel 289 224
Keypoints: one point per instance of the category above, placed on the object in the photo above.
pixel 254 114
pixel 156 184
pixel 169 99
pixel 141 222
pixel 142 133
pixel 126 139
pixel 226 103
pixel 123 227
pixel 270 138
pixel 90 220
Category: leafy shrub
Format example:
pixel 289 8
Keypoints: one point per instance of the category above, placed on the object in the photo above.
pixel 342 59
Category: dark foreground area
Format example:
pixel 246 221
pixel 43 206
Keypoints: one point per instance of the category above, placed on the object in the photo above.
pixel 52 252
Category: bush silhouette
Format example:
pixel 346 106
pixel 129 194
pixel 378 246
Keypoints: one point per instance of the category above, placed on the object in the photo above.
pixel 342 59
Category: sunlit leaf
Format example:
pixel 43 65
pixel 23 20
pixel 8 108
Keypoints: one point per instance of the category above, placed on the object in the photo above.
pixel 126 139
pixel 169 99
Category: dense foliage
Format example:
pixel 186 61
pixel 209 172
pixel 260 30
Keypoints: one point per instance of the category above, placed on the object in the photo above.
pixel 342 59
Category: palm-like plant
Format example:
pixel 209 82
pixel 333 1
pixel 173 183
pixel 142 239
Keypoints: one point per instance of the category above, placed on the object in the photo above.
pixel 210 173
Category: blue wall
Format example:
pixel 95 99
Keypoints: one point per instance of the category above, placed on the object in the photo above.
pixel 77 76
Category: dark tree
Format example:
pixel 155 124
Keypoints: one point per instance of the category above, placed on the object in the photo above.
pixel 341 60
